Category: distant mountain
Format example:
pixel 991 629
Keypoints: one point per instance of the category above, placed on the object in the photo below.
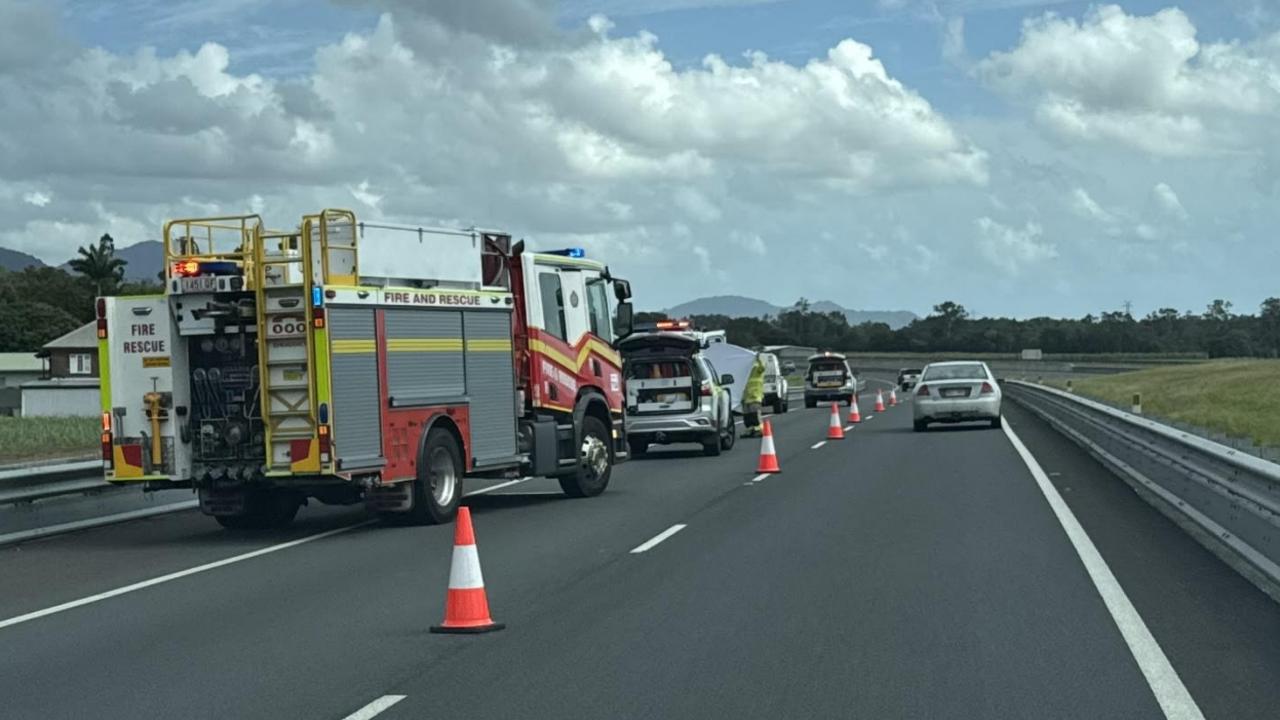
pixel 739 306
pixel 729 305
pixel 146 260
pixel 893 318
pixel 14 260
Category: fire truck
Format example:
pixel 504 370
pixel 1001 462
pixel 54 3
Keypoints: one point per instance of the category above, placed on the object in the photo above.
pixel 346 361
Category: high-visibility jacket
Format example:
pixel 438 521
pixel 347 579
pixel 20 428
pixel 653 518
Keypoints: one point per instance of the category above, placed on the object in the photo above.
pixel 754 393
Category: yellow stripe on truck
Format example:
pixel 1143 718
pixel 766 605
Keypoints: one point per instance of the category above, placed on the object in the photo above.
pixel 424 345
pixel 350 347
pixel 496 345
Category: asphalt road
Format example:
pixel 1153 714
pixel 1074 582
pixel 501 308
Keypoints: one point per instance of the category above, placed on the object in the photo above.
pixel 887 575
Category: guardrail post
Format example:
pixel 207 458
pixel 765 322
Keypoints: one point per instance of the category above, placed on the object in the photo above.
pixel 1069 388
pixel 1137 403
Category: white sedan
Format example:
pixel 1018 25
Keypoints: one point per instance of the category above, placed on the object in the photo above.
pixel 952 392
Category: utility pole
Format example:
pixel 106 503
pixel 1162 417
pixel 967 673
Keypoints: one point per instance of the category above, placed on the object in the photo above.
pixel 1128 308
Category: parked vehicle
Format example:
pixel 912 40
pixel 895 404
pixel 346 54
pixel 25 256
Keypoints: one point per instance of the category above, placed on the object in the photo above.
pixel 952 392
pixel 776 389
pixel 351 362
pixel 674 393
pixel 829 378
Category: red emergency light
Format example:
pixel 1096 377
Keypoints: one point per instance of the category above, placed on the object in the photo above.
pixel 673 324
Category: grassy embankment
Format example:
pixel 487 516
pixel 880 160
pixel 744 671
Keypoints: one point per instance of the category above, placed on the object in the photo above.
pixel 1238 397
pixel 46 438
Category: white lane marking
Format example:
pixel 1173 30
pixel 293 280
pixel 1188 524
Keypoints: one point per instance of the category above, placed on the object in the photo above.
pixel 71 605
pixel 499 486
pixel 817 445
pixel 759 477
pixel 848 428
pixel 24 535
pixel 1174 699
pixel 651 542
pixel 375 707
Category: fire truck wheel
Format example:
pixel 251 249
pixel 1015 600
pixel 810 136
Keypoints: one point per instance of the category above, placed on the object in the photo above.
pixel 438 488
pixel 595 461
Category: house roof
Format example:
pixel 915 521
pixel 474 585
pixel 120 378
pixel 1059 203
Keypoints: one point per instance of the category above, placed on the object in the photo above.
pixel 83 337
pixel 20 362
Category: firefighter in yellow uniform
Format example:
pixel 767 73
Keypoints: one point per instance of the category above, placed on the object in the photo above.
pixel 753 398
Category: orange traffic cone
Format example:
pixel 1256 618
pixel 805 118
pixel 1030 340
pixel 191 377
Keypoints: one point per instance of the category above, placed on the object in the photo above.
pixel 835 430
pixel 768 456
pixel 893 396
pixel 855 417
pixel 466 608
pixel 879 401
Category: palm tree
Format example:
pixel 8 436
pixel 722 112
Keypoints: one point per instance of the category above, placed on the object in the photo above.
pixel 100 265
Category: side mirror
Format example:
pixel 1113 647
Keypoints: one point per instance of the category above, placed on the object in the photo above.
pixel 726 379
pixel 621 289
pixel 623 323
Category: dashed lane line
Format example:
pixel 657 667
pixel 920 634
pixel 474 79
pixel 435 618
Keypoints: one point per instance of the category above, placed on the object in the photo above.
pixel 653 541
pixel 375 707
pixel 817 445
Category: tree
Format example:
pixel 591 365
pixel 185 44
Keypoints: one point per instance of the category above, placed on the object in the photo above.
pixel 100 265
pixel 1218 310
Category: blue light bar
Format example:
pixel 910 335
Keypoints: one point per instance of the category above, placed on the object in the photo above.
pixel 568 252
pixel 219 267
pixel 316 296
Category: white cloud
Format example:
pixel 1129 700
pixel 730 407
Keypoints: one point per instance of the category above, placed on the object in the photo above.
pixel 1012 249
pixel 876 252
pixel 953 45
pixel 433 116
pixel 748 241
pixel 1085 206
pixel 1142 81
pixel 1146 231
pixel 37 198
pixel 1169 202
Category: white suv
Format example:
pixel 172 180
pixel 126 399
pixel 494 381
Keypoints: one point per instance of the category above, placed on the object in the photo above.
pixel 775 384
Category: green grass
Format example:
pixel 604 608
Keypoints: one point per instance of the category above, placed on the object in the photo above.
pixel 40 438
pixel 1240 398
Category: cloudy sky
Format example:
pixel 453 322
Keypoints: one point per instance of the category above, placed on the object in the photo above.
pixel 1022 157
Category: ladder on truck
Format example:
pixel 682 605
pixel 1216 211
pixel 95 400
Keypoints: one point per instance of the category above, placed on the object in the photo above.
pixel 290 270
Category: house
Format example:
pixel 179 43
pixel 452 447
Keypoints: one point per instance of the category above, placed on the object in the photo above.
pixel 15 370
pixel 69 384
pixel 74 354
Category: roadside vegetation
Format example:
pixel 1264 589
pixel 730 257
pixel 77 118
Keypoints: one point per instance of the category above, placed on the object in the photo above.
pixel 47 438
pixel 1167 333
pixel 1240 398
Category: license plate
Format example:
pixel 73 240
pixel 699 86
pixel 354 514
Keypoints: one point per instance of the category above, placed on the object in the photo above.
pixel 199 284
pixel 954 392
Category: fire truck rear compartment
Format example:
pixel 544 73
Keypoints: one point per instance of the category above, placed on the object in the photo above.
pixel 226 414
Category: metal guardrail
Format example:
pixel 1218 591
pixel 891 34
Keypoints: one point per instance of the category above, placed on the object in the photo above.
pixel 1228 500
pixel 37 482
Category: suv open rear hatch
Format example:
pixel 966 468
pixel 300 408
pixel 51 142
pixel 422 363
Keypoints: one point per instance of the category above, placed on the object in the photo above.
pixel 660 373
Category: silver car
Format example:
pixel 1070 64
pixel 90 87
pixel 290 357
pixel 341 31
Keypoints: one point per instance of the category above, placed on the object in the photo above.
pixel 952 392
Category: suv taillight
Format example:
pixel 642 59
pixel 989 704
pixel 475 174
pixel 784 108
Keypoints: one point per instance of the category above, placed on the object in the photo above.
pixel 923 391
pixel 706 389
pixel 987 389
